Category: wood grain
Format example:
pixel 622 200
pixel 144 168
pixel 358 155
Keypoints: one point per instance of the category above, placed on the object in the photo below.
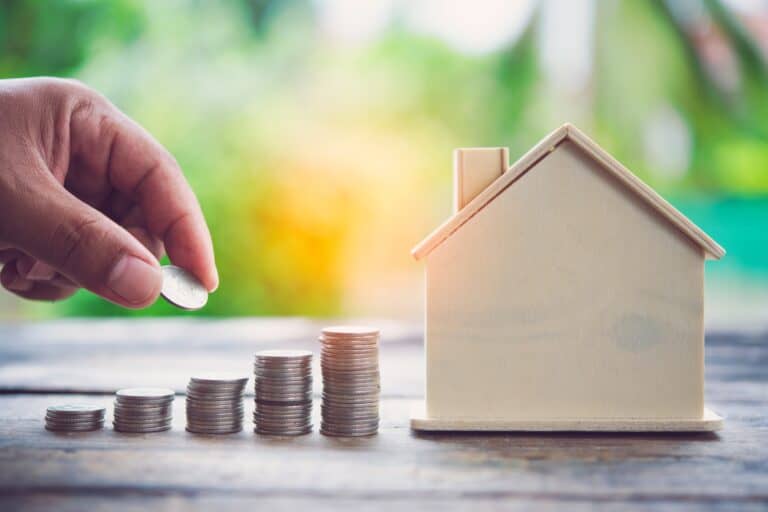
pixel 397 469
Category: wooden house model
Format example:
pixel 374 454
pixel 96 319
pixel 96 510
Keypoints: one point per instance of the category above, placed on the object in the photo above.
pixel 563 294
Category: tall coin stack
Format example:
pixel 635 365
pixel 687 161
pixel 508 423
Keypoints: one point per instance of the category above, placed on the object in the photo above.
pixel 215 404
pixel 283 385
pixel 143 410
pixel 74 418
pixel 351 381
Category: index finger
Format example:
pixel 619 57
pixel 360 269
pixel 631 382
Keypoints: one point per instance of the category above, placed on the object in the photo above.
pixel 138 166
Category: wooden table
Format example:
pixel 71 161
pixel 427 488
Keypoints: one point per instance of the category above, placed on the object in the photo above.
pixel 85 361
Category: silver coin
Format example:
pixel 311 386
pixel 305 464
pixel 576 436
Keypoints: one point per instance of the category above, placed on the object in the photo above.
pixel 142 423
pixel 75 409
pixel 214 431
pixel 349 351
pixel 283 388
pixel 349 354
pixel 88 428
pixel 143 417
pixel 307 382
pixel 326 361
pixel 326 341
pixel 215 391
pixel 182 289
pixel 349 401
pixel 349 425
pixel 282 400
pixel 282 432
pixel 228 406
pixel 213 428
pixel 303 418
pixel 362 433
pixel 212 399
pixel 277 371
pixel 214 418
pixel 220 378
pixel 346 353
pixel 262 407
pixel 144 394
pixel 275 427
pixel 349 363
pixel 70 418
pixel 72 423
pixel 284 379
pixel 350 420
pixel 142 430
pixel 226 418
pixel 214 405
pixel 350 330
pixel 283 413
pixel 282 419
pixel 349 428
pixel 352 378
pixel 341 406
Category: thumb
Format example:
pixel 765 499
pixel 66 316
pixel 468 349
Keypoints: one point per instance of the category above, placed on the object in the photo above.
pixel 89 248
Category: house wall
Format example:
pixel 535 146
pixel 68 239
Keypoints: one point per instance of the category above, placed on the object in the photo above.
pixel 565 297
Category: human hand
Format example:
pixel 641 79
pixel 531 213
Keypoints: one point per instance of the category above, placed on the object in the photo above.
pixel 89 199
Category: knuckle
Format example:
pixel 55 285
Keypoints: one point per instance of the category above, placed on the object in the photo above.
pixel 71 242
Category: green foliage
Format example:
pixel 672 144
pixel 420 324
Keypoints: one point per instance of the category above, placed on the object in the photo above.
pixel 54 38
pixel 318 166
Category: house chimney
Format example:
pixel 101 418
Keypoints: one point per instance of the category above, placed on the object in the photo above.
pixel 473 170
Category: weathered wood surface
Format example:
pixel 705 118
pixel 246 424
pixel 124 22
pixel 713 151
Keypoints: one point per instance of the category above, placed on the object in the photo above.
pixel 43 364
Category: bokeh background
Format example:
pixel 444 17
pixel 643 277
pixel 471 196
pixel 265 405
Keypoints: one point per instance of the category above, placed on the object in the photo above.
pixel 318 134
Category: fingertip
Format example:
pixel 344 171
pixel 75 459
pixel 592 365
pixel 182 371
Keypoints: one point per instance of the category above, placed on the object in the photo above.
pixel 134 282
pixel 213 285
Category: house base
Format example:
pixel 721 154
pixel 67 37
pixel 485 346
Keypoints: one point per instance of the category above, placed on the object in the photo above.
pixel 709 422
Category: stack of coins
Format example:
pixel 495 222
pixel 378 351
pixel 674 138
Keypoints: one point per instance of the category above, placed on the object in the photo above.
pixel 143 410
pixel 74 418
pixel 215 404
pixel 351 385
pixel 283 385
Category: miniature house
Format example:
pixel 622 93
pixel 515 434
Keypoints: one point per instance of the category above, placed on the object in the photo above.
pixel 563 294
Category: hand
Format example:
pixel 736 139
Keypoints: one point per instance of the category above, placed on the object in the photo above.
pixel 89 199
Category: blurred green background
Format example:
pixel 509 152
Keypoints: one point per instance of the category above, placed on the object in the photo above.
pixel 318 134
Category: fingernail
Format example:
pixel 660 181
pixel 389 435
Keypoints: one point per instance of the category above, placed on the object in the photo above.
pixel 216 279
pixel 20 285
pixel 41 272
pixel 135 280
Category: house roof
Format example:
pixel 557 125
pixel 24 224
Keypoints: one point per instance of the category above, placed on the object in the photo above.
pixel 528 161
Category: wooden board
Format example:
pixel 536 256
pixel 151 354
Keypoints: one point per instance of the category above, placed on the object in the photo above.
pixel 710 422
pixel 396 470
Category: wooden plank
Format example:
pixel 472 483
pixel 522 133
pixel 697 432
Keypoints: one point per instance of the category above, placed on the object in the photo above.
pixel 395 465
pixel 40 470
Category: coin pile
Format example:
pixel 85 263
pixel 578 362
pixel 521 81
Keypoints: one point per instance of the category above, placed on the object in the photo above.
pixel 74 418
pixel 351 386
pixel 283 385
pixel 143 410
pixel 215 404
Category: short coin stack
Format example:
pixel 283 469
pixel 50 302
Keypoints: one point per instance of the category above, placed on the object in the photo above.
pixel 143 410
pixel 283 385
pixel 215 404
pixel 351 384
pixel 74 418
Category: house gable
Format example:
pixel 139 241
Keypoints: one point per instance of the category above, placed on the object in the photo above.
pixel 529 161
